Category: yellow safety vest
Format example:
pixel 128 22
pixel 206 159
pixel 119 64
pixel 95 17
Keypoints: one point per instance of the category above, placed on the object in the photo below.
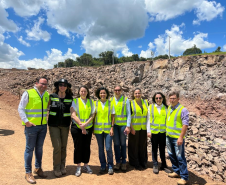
pixel 83 112
pixel 103 118
pixel 139 119
pixel 173 122
pixel 120 111
pixel 157 120
pixel 36 109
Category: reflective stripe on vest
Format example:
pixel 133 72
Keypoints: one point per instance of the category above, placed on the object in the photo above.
pixel 36 108
pixel 158 120
pixel 55 99
pixel 103 122
pixel 85 117
pixel 68 100
pixel 120 119
pixel 139 118
pixel 174 123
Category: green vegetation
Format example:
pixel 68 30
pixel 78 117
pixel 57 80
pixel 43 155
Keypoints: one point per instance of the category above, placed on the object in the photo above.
pixel 106 58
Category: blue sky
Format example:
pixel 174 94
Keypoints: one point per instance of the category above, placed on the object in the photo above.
pixel 41 33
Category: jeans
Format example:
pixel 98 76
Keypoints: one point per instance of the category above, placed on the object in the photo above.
pixel 35 137
pixel 119 139
pixel 59 137
pixel 177 157
pixel 108 145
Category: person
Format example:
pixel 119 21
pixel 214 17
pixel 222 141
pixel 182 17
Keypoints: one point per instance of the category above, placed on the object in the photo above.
pixel 104 128
pixel 33 112
pixel 156 130
pixel 176 126
pixel 82 114
pixel 59 121
pixel 137 144
pixel 121 127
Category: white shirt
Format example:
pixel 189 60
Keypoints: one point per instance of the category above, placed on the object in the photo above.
pixel 159 107
pixel 103 105
pixel 84 103
pixel 23 103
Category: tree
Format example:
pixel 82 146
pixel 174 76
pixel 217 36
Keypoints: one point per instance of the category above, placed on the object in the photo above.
pixel 135 57
pixel 69 62
pixel 85 60
pixel 61 64
pixel 143 59
pixel 218 49
pixel 106 57
pixel 193 50
pixel 55 66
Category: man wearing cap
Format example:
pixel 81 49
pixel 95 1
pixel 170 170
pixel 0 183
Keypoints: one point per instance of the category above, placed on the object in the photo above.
pixel 59 121
pixel 33 112
pixel 176 126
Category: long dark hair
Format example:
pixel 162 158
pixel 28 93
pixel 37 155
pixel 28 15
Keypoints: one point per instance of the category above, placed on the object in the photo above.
pixel 132 95
pixel 97 93
pixel 163 99
pixel 88 94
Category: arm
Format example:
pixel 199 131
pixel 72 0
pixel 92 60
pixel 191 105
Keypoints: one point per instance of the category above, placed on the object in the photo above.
pixel 73 116
pixel 185 121
pixel 112 124
pixel 128 112
pixel 148 123
pixel 21 109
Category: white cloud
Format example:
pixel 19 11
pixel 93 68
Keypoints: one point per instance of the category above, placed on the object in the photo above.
pixel 20 39
pixel 126 52
pixel 24 7
pixel 162 10
pixel 6 24
pixel 148 52
pixel 224 48
pixel 102 25
pixel 140 46
pixel 207 11
pixel 177 43
pixel 36 33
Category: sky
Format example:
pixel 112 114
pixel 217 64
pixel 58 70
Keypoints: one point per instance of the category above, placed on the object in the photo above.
pixel 41 33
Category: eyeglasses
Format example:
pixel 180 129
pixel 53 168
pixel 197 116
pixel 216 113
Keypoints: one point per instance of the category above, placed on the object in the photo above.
pixel 117 90
pixel 158 98
pixel 65 85
pixel 43 84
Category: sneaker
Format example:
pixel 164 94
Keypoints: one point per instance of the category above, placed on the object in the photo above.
pixel 78 171
pixel 182 182
pixel 110 171
pixel 57 173
pixel 117 166
pixel 87 169
pixel 102 170
pixel 155 169
pixel 30 178
pixel 173 175
pixel 123 167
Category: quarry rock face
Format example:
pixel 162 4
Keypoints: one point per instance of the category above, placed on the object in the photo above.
pixel 201 81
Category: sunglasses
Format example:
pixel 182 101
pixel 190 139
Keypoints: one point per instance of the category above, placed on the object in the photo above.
pixel 117 90
pixel 158 98
pixel 65 85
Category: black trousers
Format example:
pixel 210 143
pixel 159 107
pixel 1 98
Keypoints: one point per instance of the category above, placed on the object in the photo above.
pixel 137 148
pixel 81 144
pixel 158 141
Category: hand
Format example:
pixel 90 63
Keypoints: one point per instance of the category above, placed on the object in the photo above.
pixel 84 131
pixel 82 126
pixel 112 131
pixel 133 131
pixel 179 141
pixel 149 135
pixel 29 124
pixel 127 130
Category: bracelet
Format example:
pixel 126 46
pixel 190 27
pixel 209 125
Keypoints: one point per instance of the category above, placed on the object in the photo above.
pixel 112 125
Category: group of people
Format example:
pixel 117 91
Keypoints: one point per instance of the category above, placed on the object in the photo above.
pixel 109 119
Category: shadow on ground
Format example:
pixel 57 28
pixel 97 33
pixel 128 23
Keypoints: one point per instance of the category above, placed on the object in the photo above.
pixel 4 132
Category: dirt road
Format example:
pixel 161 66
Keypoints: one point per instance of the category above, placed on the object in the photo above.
pixel 12 145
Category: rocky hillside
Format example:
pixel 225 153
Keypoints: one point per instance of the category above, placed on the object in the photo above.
pixel 201 81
